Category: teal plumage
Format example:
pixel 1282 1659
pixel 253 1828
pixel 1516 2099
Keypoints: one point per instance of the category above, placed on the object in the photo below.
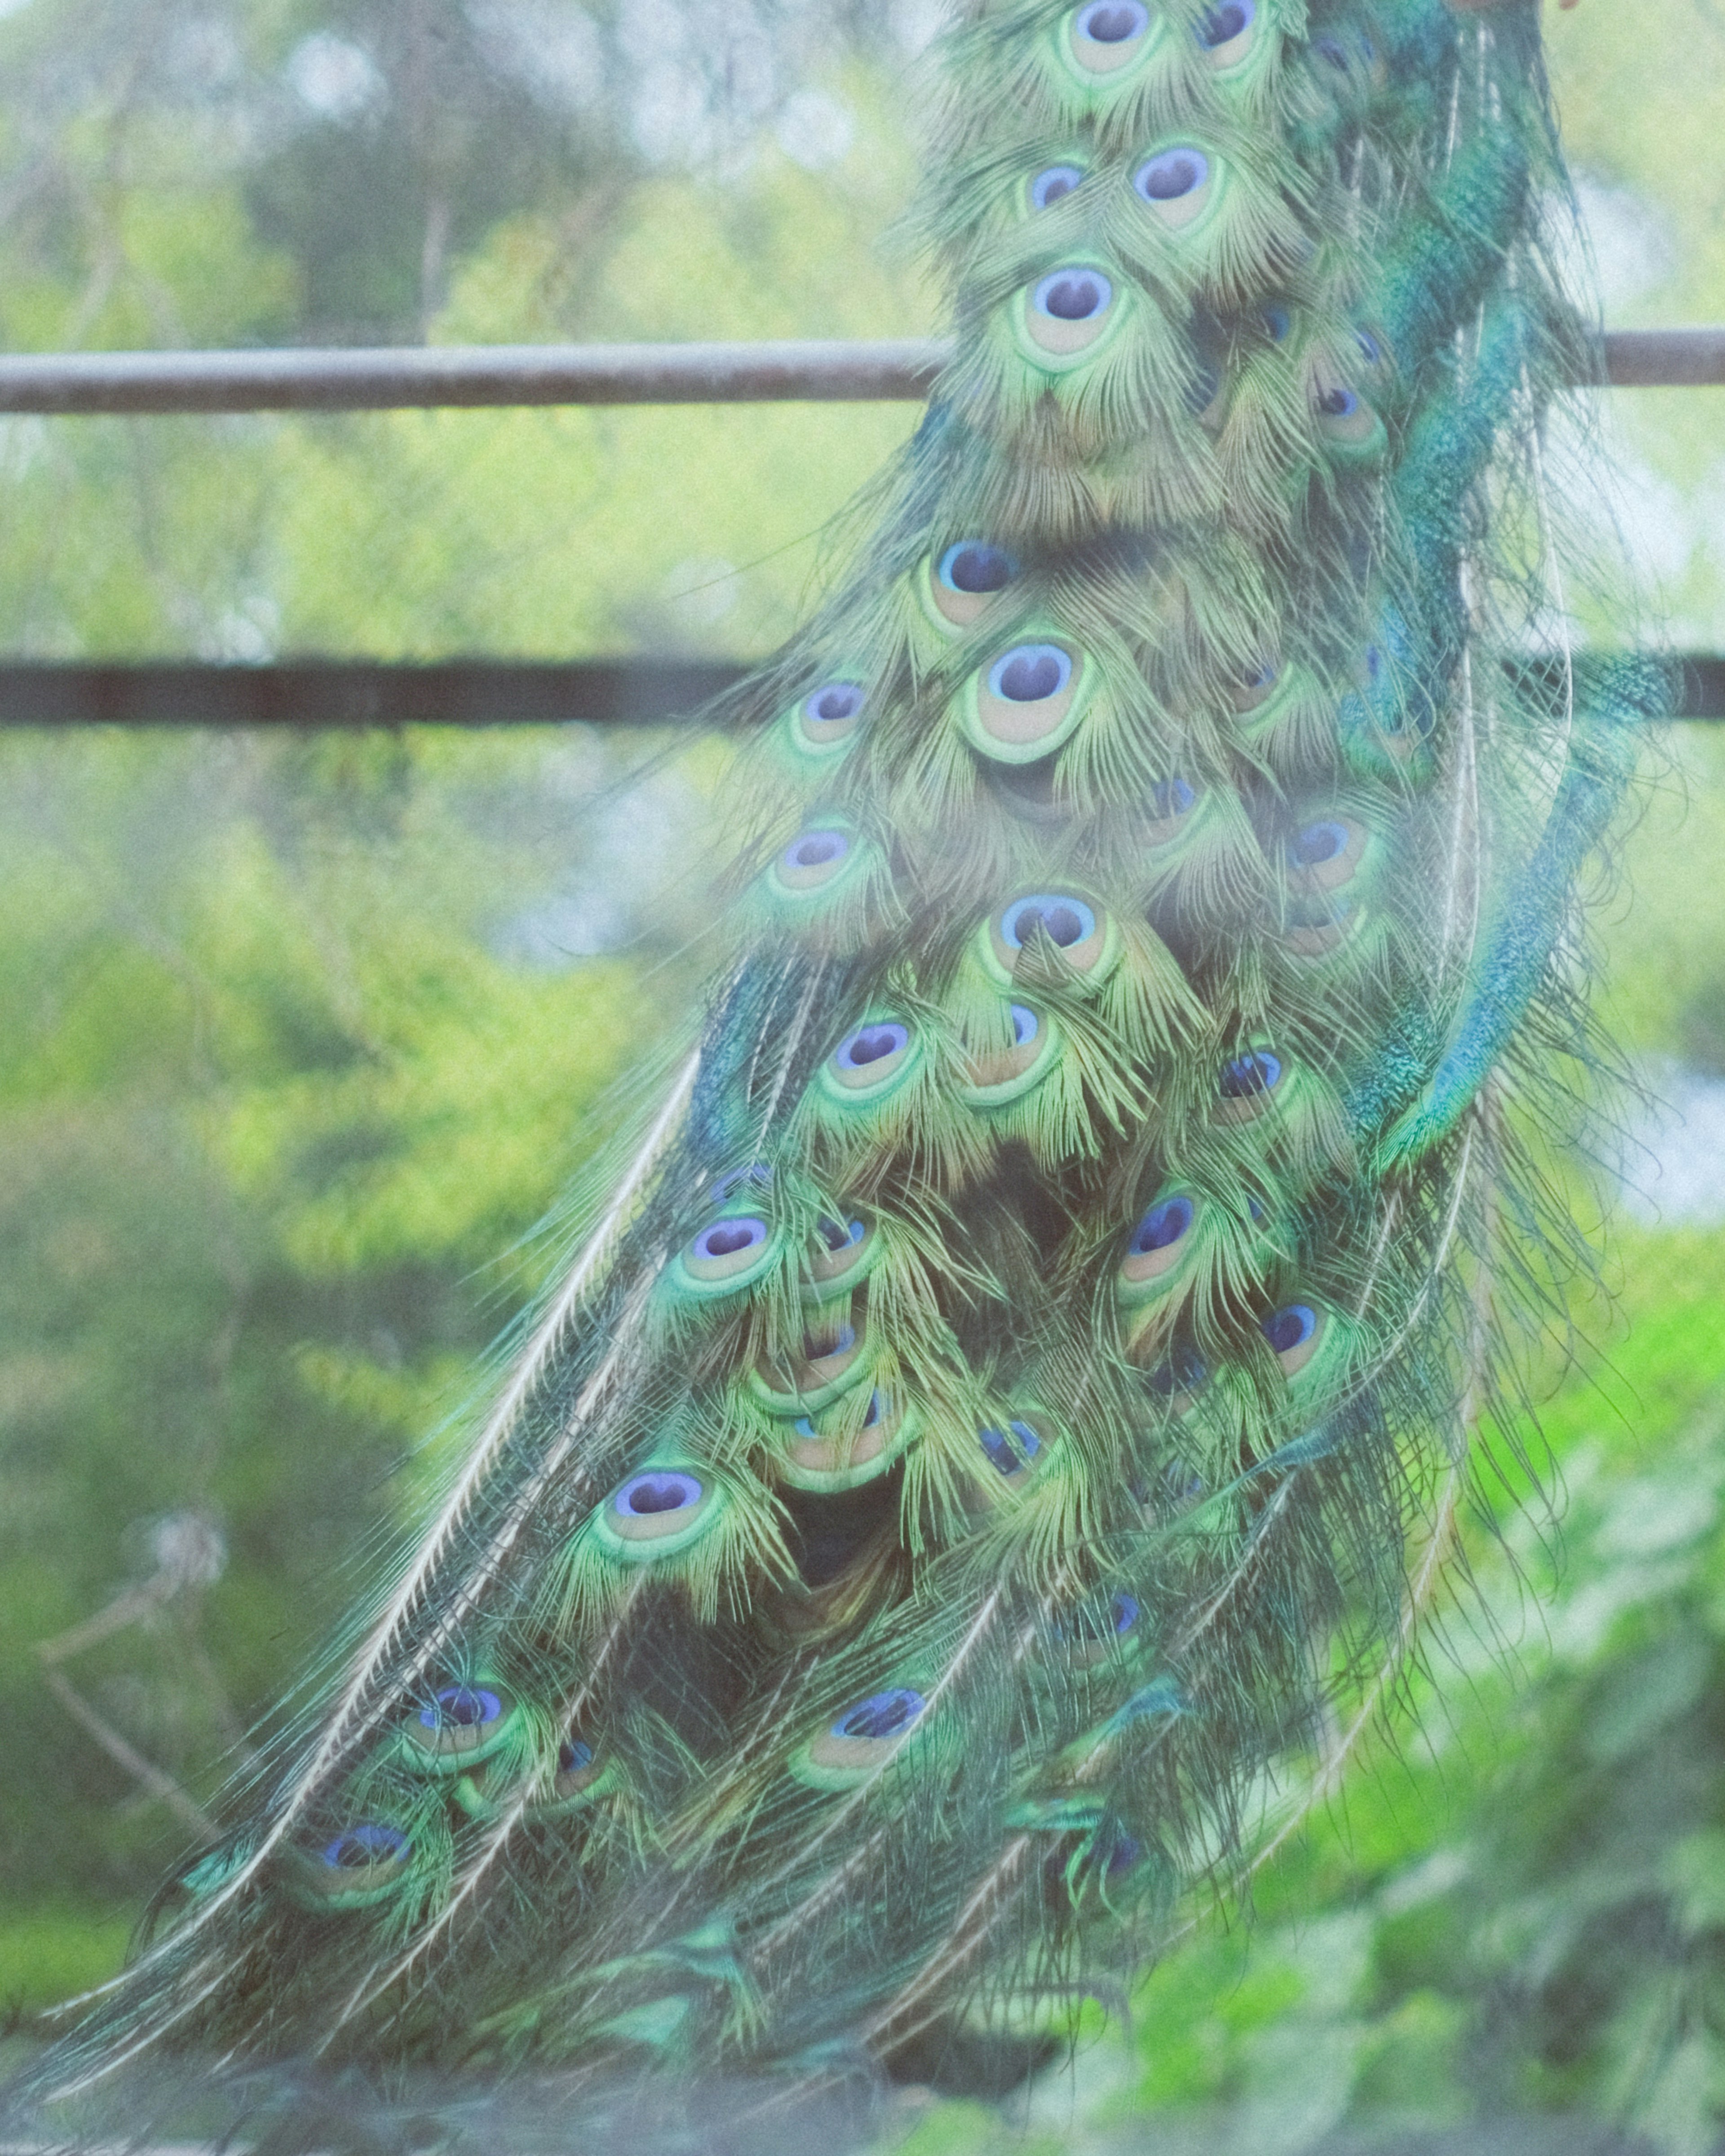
pixel 1018 1384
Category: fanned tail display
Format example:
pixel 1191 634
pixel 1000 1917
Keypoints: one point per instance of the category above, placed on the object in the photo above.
pixel 1017 1386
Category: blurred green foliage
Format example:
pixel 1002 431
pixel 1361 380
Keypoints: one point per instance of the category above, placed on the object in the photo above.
pixel 302 1038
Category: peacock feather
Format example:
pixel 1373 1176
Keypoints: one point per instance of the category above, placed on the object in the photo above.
pixel 1022 1377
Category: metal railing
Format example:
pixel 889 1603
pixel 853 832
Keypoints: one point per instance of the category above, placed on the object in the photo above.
pixel 393 379
pixel 359 693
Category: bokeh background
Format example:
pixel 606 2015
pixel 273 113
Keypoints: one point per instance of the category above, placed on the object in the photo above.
pixel 300 1038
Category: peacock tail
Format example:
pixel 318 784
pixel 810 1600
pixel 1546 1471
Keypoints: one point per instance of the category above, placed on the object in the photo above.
pixel 1016 1394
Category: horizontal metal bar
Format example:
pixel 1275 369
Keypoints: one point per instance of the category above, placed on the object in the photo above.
pixel 420 376
pixel 312 693
pixel 68 383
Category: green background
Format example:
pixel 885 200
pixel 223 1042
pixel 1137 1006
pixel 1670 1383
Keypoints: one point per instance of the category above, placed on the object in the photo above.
pixel 302 1038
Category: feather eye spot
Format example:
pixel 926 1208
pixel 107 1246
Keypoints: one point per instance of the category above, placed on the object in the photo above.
pixel 1173 798
pixel 816 849
pixel 1025 702
pixel 861 1740
pixel 870 1045
pixel 1314 845
pixel 1252 689
pixel 832 712
pixel 574 1756
pixel 1289 1327
pixel 839 1235
pixel 1370 349
pixel 1109 35
pixel 1072 295
pixel 1054 183
pixel 730 1238
pixel 731 1253
pixel 1172 175
pixel 1066 921
pixel 886 1715
pixel 461 1707
pixel 1295 1332
pixel 1124 1612
pixel 965 579
pixel 976 569
pixel 1251 1077
pixel 658 1492
pixel 1025 1025
pixel 1030 674
pixel 1225 23
pixel 366 1846
pixel 1162 1226
pixel 1113 21
pixel 1277 323
pixel 1011 1451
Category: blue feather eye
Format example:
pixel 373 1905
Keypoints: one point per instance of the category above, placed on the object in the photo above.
pixel 1030 674
pixel 887 1715
pixel 1290 1326
pixel 976 570
pixel 1316 843
pixel 731 1253
pixel 1072 296
pixel 1348 422
pixel 1087 943
pixel 859 1741
pixel 814 853
pixel 1067 922
pixel 1025 702
pixel 832 712
pixel 655 1512
pixel 1224 32
pixel 461 1707
pixel 832 1461
pixel 1109 34
pixel 1054 183
pixel 363 1847
pixel 967 579
pixel 365 1863
pixel 1157 1248
pixel 1025 1025
pixel 1251 1077
pixel 733 1239
pixel 656 1494
pixel 460 1725
pixel 1277 321
pixel 1011 1451
pixel 1294 1332
pixel 1162 1227
pixel 867 1052
pixel 574 1756
pixel 1176 184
